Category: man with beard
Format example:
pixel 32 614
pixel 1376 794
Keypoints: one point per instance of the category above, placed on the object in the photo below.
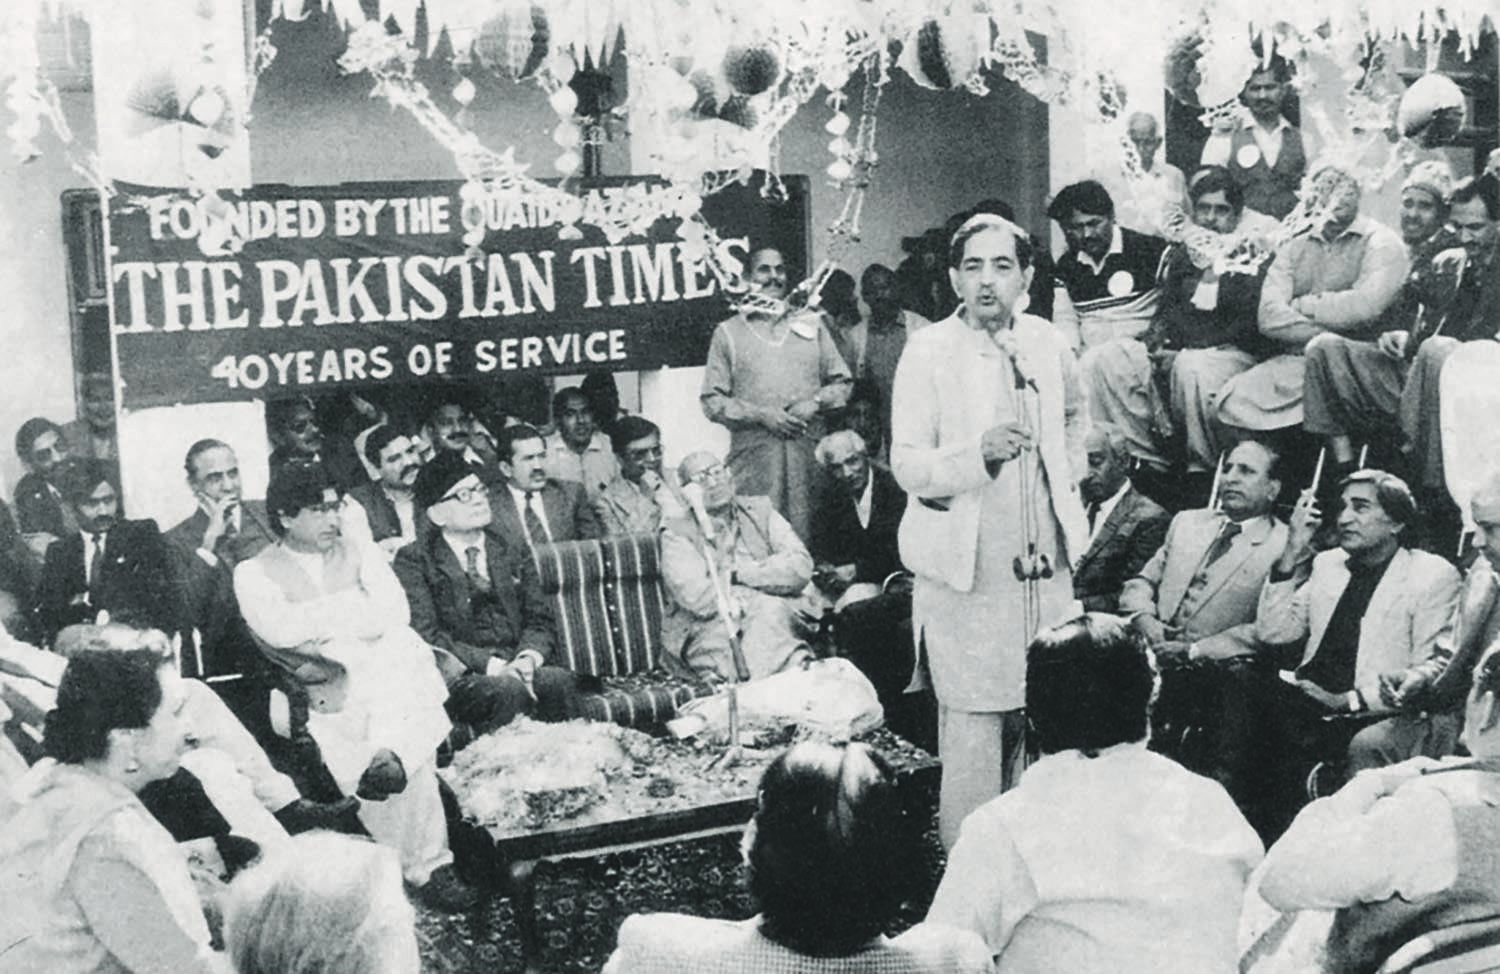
pixel 771 375
pixel 395 521
pixel 107 565
pixel 1125 526
pixel 1266 157
pixel 578 452
pixel 40 510
pixel 225 530
pixel 637 501
pixel 987 440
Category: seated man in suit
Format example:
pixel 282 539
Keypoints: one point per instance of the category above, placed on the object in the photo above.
pixel 532 509
pixel 107 565
pixel 1195 600
pixel 395 519
pixel 637 501
pixel 1368 608
pixel 225 530
pixel 735 564
pixel 474 599
pixel 1125 526
pixel 43 448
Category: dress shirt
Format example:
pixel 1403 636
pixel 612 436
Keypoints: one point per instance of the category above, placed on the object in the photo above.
pixel 594 467
pixel 1106 507
pixel 866 500
pixel 1361 845
pixel 461 551
pixel 1268 140
pixel 406 511
pixel 538 508
pixel 89 553
pixel 235 519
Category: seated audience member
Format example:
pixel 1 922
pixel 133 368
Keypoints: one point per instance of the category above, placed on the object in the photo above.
pixel 1106 857
pixel 637 501
pixel 395 520
pixel 1109 276
pixel 1205 330
pixel 578 452
pixel 1400 851
pixel 299 439
pixel 325 904
pixel 530 508
pixel 1195 600
pixel 604 399
pixel 1339 277
pixel 108 565
pixel 1368 608
pixel 40 510
pixel 868 413
pixel 1362 388
pixel 451 426
pixel 90 881
pixel 1428 696
pixel 225 530
pixel 334 616
pixel 1150 194
pixel 1424 210
pixel 734 555
pixel 92 435
pixel 474 599
pixel 1125 526
pixel 829 860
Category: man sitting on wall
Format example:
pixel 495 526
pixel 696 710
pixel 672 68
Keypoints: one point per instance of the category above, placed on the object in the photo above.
pixel 108 565
pixel 737 568
pixel 637 501
pixel 531 509
pixel 474 599
pixel 395 520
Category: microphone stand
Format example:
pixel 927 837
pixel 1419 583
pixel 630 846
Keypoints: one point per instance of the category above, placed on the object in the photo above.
pixel 733 754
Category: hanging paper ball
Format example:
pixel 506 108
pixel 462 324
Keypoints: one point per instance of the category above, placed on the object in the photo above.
pixel 564 101
pixel 840 147
pixel 839 170
pixel 751 70
pixel 945 53
pixel 1432 110
pixel 568 162
pixel 566 135
pixel 464 92
pixel 737 110
pixel 207 107
pixel 838 124
pixel 561 66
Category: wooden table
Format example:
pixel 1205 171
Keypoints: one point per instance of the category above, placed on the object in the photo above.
pixel 517 850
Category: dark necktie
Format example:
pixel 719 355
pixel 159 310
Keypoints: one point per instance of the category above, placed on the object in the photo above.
pixel 1221 545
pixel 1094 507
pixel 536 530
pixel 96 566
pixel 477 581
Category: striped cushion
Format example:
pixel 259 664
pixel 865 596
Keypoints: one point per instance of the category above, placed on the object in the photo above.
pixel 641 708
pixel 608 599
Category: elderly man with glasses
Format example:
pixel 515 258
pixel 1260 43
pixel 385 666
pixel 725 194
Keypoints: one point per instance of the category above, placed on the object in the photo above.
pixel 738 570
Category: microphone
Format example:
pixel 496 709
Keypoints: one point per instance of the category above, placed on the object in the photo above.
pixel 692 492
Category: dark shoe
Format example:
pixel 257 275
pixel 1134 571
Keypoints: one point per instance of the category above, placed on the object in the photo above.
pixel 236 851
pixel 445 892
pixel 304 816
pixel 384 777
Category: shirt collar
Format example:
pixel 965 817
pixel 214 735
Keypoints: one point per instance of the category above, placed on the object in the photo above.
pixel 461 550
pixel 1116 246
pixel 1362 226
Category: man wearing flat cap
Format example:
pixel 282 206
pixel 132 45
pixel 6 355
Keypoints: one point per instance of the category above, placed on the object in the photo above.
pixel 475 599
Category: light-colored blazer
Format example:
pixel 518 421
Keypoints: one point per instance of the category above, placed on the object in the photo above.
pixel 944 401
pixel 1412 608
pixel 1223 621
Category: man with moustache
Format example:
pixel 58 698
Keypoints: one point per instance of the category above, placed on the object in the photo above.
pixel 1266 156
pixel 987 441
pixel 1125 526
pixel 530 508
pixel 108 565
pixel 395 520
pixel 225 530
pixel 475 600
pixel 578 451
pixel 40 510
pixel 640 499
pixel 770 378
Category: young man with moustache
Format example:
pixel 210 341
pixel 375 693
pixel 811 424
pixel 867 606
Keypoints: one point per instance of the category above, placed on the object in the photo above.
pixel 395 520
pixel 531 509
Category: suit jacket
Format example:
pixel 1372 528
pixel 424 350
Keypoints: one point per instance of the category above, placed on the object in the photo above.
pixel 1220 617
pixel 942 404
pixel 570 516
pixel 1409 614
pixel 380 512
pixel 38 509
pixel 1126 540
pixel 839 539
pixel 669 943
pixel 223 646
pixel 1476 626
pixel 442 604
pixel 136 581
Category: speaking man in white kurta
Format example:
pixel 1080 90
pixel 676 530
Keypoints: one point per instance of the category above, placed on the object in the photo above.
pixel 988 421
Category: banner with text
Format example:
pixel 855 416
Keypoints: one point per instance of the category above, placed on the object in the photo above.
pixel 357 284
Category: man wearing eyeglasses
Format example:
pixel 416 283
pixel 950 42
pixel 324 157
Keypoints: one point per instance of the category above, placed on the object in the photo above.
pixel 475 599
pixel 734 565
pixel 637 501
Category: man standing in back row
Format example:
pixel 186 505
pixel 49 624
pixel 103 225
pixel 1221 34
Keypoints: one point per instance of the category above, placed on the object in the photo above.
pixel 987 441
